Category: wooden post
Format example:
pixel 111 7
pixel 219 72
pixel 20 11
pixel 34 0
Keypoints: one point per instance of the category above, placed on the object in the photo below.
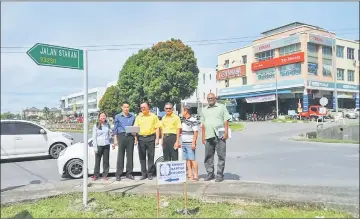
pixel 158 200
pixel 185 199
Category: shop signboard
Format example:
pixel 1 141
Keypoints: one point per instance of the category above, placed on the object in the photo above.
pixel 262 87
pixel 321 40
pixel 305 103
pixel 265 74
pixel 320 84
pixel 238 71
pixel 328 85
pixel 327 70
pixel 313 68
pixel 261 99
pixel 334 102
pixel 290 70
pixel 277 43
pixel 283 60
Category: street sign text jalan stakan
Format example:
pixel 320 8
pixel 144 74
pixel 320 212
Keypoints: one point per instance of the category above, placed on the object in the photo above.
pixel 57 56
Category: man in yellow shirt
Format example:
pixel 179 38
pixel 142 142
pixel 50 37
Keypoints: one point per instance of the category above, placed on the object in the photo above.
pixel 146 139
pixel 170 129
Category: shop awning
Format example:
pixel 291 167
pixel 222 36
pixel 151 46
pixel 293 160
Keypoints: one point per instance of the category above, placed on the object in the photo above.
pixel 254 94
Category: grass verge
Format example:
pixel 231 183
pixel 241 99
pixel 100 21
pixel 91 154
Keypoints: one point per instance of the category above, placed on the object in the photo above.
pixel 69 130
pixel 323 140
pixel 117 206
pixel 236 126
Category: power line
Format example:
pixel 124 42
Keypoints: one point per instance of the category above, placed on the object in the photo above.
pixel 146 44
pixel 199 44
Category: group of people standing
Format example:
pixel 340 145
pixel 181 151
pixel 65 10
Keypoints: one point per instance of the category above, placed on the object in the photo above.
pixel 173 132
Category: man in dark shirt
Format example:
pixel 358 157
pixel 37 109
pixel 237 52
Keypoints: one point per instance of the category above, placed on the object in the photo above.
pixel 124 141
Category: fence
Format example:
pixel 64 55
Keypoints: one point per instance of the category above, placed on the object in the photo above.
pixel 66 126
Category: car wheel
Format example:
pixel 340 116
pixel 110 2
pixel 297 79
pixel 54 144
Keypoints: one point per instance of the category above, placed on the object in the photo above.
pixel 160 159
pixel 55 149
pixel 75 168
pixel 313 118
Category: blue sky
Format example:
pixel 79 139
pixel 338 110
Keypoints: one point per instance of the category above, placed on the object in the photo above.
pixel 24 84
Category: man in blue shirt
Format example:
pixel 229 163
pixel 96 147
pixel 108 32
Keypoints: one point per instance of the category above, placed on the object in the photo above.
pixel 124 141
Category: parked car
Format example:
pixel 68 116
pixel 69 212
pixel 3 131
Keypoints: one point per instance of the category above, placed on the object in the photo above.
pixel 70 161
pixel 351 114
pixel 20 138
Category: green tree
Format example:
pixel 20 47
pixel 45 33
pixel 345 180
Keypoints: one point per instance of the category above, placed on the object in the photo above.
pixel 46 112
pixel 167 72
pixel 8 115
pixel 110 102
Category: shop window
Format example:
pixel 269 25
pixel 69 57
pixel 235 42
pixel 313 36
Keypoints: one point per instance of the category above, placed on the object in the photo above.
pixel 327 52
pixel 265 55
pixel 289 49
pixel 244 80
pixel 340 51
pixel 244 59
pixel 313 68
pixel 327 70
pixel 226 64
pixel 226 83
pixel 350 53
pixel 340 74
pixel 290 70
pixel 350 75
pixel 312 49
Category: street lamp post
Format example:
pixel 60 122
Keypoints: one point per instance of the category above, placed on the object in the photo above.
pixel 276 94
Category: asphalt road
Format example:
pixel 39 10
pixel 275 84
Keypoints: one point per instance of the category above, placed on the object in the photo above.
pixel 261 153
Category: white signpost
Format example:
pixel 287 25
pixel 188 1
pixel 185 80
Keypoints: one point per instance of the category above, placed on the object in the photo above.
pixel 173 172
pixel 323 102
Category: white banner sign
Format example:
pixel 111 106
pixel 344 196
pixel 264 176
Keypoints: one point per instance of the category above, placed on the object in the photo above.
pixel 171 172
pixel 261 99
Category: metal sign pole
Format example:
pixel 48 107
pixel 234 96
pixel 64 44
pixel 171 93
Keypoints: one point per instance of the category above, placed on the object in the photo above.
pixel 86 128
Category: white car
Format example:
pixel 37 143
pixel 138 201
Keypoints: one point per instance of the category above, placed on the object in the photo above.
pixel 20 139
pixel 351 114
pixel 70 161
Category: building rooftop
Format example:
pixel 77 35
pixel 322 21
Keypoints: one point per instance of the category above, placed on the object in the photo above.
pixel 289 26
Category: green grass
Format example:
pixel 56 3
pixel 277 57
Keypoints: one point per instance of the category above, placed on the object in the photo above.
pixel 323 140
pixel 117 206
pixel 236 126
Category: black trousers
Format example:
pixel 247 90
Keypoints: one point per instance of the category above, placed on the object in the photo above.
pixel 104 153
pixel 147 147
pixel 170 154
pixel 212 145
pixel 125 144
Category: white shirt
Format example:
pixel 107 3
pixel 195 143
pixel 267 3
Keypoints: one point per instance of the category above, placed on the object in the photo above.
pixel 189 126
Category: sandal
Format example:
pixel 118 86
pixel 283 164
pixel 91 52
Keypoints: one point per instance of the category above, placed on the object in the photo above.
pixel 195 179
pixel 189 177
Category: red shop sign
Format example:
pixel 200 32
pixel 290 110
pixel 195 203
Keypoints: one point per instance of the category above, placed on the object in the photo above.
pixel 239 71
pixel 283 60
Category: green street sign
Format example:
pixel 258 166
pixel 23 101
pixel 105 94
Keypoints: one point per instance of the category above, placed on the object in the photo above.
pixel 57 56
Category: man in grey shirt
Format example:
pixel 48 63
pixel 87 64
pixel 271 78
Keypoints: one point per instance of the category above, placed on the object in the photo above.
pixel 214 117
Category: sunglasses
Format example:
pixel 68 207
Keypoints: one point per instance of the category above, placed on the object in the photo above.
pixel 211 98
pixel 168 108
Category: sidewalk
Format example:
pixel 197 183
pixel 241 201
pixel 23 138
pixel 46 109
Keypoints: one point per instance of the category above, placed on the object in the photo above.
pixel 339 198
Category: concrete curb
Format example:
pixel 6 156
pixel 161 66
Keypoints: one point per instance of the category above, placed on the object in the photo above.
pixel 338 198
pixel 291 121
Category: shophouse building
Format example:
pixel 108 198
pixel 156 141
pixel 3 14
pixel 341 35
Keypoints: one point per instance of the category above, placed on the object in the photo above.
pixel 294 63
